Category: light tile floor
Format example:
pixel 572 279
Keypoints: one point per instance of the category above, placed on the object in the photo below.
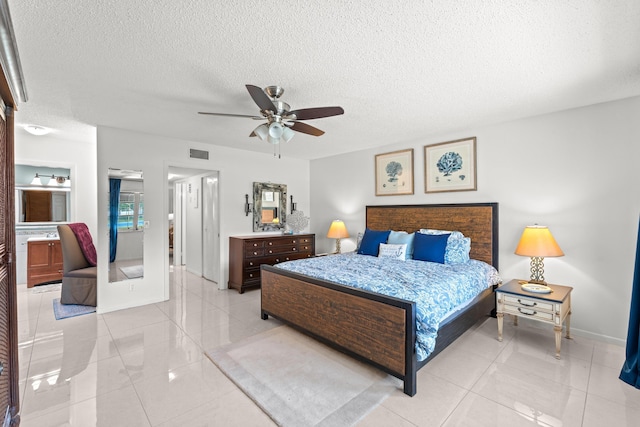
pixel 145 367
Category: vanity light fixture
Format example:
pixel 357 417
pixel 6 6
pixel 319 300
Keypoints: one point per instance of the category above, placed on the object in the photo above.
pixel 248 207
pixel 50 181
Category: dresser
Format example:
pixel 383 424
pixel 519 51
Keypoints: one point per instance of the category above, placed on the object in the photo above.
pixel 44 261
pixel 247 253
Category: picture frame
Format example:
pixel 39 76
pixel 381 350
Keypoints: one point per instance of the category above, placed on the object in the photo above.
pixel 394 173
pixel 450 166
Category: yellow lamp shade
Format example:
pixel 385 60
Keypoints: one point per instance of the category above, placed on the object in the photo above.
pixel 537 241
pixel 337 230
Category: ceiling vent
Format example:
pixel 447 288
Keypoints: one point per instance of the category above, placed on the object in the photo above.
pixel 198 154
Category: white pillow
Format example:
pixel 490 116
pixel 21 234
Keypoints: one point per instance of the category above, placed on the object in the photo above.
pixel 392 251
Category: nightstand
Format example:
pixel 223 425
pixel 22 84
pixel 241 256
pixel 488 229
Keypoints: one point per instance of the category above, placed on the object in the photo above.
pixel 553 308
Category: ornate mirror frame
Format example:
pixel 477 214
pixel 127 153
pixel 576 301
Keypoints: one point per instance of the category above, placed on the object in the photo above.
pixel 269 206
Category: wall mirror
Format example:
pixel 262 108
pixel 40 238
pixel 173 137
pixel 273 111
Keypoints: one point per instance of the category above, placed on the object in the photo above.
pixel 126 224
pixel 269 206
pixel 43 194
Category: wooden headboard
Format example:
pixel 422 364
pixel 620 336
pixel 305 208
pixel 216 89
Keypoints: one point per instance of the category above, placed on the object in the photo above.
pixel 479 221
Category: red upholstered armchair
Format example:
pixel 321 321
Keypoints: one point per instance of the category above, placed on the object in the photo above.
pixel 79 277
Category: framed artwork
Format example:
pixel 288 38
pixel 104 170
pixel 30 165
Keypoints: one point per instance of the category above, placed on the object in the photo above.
pixel 450 166
pixel 394 173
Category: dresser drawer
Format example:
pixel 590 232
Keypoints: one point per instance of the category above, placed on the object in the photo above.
pixel 251 275
pixel 530 303
pixel 252 244
pixel 523 311
pixel 281 250
pixel 282 241
pixel 306 248
pixel 252 253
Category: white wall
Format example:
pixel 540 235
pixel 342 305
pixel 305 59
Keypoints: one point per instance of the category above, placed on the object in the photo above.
pixel 153 155
pixel 78 156
pixel 574 171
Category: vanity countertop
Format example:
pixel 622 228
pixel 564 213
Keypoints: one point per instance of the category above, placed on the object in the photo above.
pixel 42 238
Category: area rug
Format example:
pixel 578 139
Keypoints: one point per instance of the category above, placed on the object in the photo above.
pixel 41 289
pixel 299 381
pixel 132 272
pixel 62 311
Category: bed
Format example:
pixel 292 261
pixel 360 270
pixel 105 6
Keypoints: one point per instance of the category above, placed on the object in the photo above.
pixel 372 327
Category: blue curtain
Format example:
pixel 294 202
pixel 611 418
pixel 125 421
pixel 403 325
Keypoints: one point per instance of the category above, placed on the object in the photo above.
pixel 631 369
pixel 114 202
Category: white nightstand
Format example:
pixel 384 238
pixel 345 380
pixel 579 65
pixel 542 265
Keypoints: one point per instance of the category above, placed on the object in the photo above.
pixel 553 308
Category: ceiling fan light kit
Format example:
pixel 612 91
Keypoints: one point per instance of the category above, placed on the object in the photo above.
pixel 281 121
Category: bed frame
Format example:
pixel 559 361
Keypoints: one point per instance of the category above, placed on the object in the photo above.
pixel 375 328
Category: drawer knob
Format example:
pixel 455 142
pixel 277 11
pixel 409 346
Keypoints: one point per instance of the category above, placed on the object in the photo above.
pixel 270 243
pixel 527 305
pixel 255 244
pixel 277 259
pixel 527 313
pixel 250 274
pixel 251 263
pixel 255 253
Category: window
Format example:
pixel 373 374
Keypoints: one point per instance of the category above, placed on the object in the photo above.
pixel 131 211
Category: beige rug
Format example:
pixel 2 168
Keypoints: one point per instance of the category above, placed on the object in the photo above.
pixel 133 271
pixel 298 381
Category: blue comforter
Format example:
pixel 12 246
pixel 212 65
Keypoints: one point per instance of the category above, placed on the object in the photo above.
pixel 437 289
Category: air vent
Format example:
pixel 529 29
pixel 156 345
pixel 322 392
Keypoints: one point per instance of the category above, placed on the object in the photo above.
pixel 198 154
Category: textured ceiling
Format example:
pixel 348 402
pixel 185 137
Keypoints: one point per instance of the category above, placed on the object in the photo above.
pixel 402 70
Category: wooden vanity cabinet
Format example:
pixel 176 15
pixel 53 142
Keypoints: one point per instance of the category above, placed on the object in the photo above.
pixel 44 262
pixel 247 253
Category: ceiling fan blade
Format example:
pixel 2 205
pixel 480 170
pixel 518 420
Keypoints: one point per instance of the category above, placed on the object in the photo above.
pixel 261 98
pixel 305 128
pixel 316 113
pixel 232 115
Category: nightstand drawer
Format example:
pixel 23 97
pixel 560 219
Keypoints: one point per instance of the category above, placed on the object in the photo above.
pixel 523 311
pixel 531 303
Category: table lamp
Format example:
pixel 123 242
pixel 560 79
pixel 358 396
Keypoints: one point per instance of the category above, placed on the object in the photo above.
pixel 537 242
pixel 337 231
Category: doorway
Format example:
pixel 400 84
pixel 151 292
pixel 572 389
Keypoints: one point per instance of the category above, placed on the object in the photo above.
pixel 194 221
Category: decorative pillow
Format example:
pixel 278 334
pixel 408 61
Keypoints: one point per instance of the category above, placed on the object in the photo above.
pixel 393 251
pixel 430 247
pixel 458 246
pixel 457 251
pixel 359 240
pixel 371 241
pixel 454 234
pixel 400 238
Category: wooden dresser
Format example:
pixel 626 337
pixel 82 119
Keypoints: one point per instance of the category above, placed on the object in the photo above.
pixel 247 253
pixel 44 261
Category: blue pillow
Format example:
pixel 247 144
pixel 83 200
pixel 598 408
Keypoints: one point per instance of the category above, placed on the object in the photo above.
pixel 457 250
pixel 430 247
pixel 371 241
pixel 402 238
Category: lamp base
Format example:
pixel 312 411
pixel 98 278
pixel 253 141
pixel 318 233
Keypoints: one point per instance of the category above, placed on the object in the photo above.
pixel 537 270
pixel 337 246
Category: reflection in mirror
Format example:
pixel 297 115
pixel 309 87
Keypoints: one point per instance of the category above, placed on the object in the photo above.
pixel 269 206
pixel 126 225
pixel 43 194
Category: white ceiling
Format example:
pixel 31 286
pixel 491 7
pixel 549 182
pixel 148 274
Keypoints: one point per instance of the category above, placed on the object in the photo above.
pixel 402 70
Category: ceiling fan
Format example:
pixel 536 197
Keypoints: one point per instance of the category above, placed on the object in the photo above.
pixel 281 120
